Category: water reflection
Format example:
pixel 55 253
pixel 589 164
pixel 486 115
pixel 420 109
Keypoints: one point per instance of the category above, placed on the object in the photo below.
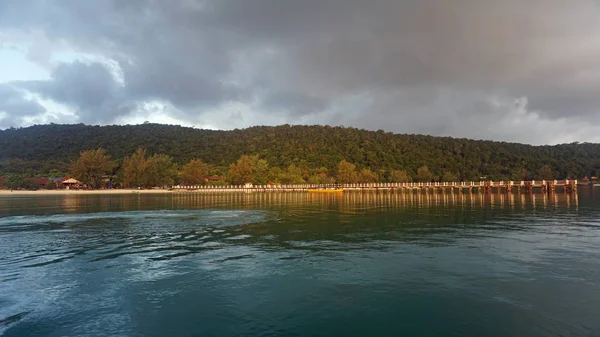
pixel 348 202
pixel 181 224
pixel 100 255
pixel 355 201
pixel 169 226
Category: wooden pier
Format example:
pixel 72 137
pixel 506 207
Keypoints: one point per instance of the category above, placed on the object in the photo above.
pixel 540 186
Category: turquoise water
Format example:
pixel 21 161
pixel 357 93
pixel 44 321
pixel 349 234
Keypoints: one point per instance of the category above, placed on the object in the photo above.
pixel 300 265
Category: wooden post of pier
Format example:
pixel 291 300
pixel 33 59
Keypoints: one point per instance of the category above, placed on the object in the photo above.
pixel 545 187
pixel 571 186
pixel 487 186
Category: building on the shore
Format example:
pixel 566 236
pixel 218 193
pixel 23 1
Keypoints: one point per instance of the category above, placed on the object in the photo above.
pixel 42 182
pixel 71 183
pixel 58 181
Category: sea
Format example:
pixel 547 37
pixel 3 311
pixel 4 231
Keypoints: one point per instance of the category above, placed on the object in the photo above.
pixel 298 264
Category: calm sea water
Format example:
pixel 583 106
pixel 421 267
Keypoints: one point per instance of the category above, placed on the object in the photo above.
pixel 300 265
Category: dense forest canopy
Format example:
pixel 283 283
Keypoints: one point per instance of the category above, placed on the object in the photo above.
pixel 48 150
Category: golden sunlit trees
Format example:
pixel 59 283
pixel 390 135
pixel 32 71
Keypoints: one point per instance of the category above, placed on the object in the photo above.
pixel 424 175
pixel 249 169
pixel 346 173
pixel 193 173
pixel 320 176
pixel 399 176
pixel 91 167
pixel 293 175
pixel 134 168
pixel 367 176
pixel 160 171
pixel 139 171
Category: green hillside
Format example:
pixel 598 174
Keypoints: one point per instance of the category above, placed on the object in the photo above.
pixel 43 149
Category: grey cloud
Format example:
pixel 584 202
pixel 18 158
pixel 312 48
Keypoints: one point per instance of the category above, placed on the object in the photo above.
pixel 160 56
pixel 427 66
pixel 184 87
pixel 15 106
pixel 294 103
pixel 90 89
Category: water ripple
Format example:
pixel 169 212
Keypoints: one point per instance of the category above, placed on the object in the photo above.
pixel 331 266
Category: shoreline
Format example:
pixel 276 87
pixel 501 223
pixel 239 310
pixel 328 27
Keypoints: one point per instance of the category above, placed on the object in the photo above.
pixel 8 193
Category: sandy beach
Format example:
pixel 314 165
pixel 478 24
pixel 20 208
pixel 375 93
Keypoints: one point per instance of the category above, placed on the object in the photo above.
pixel 7 193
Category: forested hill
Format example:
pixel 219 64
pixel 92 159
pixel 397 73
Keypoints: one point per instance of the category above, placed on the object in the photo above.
pixel 40 149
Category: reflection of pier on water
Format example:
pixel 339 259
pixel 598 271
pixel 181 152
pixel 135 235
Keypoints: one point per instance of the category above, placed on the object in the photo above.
pixel 349 202
pixel 388 199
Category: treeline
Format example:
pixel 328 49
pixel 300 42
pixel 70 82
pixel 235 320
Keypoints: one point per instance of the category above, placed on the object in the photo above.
pixel 16 181
pixel 95 169
pixel 293 152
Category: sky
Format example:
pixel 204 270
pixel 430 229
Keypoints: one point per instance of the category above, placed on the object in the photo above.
pixel 512 70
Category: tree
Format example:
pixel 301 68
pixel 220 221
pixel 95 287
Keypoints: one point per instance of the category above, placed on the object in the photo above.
pixel 54 173
pixel 320 178
pixel 19 182
pixel 293 175
pixel 520 174
pixel 31 185
pixel 14 182
pixel 249 169
pixel 160 171
pixel 91 166
pixel 449 177
pixel 193 173
pixel 367 176
pixel 346 173
pixel 546 173
pixel 275 175
pixel 400 176
pixel 381 175
pixel 134 168
pixel 261 172
pixel 37 150
pixel 424 175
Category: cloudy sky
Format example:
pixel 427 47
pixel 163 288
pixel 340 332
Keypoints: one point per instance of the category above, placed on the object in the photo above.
pixel 514 70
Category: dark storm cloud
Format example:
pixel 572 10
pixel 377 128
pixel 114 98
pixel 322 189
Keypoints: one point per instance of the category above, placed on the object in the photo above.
pixel 185 87
pixel 294 103
pixel 430 66
pixel 90 89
